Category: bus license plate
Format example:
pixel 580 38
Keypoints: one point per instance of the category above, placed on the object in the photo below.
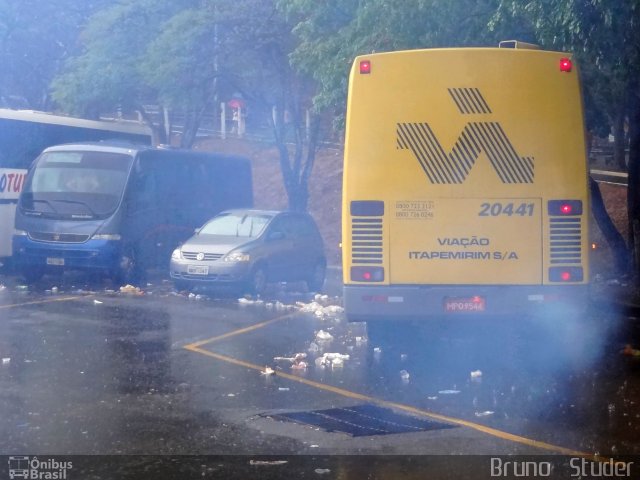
pixel 466 304
pixel 55 261
pixel 198 270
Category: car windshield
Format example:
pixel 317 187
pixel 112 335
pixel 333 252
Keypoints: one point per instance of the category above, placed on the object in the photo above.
pixel 74 184
pixel 237 225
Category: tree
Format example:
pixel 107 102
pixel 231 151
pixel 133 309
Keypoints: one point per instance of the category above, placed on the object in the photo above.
pixel 108 74
pixel 35 38
pixel 332 33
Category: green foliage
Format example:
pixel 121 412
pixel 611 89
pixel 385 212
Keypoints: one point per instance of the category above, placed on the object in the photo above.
pixel 332 33
pixel 35 37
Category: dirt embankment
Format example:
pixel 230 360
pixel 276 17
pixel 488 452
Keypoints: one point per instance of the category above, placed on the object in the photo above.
pixel 325 189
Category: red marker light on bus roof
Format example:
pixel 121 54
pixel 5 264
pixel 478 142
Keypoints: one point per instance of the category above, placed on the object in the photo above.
pixel 365 66
pixel 565 65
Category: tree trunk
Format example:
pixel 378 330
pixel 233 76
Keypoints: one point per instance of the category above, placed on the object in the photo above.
pixel 633 194
pixel 611 234
pixel 158 134
pixel 619 141
pixel 192 120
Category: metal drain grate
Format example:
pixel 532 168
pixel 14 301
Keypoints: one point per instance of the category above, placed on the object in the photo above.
pixel 361 420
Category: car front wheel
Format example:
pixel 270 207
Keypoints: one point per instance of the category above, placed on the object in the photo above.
pixel 257 283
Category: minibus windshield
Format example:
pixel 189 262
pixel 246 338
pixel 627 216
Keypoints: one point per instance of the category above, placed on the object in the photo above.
pixel 76 184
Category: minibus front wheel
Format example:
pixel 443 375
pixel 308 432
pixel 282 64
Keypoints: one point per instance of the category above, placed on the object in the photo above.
pixel 128 270
pixel 32 274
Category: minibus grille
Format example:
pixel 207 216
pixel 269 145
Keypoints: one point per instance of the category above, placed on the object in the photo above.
pixel 58 237
pixel 208 257
pixel 566 240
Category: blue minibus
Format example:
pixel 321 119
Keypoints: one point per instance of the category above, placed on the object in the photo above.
pixel 119 209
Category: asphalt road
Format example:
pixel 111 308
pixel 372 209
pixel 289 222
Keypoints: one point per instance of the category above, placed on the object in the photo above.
pixel 89 370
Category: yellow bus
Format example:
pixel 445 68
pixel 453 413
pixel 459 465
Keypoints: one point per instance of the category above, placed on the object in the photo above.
pixel 465 184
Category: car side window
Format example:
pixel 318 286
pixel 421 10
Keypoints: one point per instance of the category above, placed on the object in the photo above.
pixel 302 227
pixel 283 226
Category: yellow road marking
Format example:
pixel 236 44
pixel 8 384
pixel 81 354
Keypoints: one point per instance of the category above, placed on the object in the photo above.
pixel 196 347
pixel 239 331
pixel 36 302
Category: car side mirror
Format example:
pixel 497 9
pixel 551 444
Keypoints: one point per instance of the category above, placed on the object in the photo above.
pixel 197 231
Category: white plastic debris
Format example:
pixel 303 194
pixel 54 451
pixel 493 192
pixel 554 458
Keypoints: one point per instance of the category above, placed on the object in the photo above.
pixel 97 302
pixel 267 371
pixel 331 359
pixel 449 392
pixel 486 413
pixel 313 347
pixel 6 360
pixel 324 336
pixel 404 375
pixel 296 358
pixel 267 462
pixel 299 366
pixel 2 287
pixel 320 311
pixel 322 471
pixel 377 350
pixel 476 374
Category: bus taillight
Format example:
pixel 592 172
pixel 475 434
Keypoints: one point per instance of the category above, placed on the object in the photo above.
pixel 367 274
pixel 565 207
pixel 566 274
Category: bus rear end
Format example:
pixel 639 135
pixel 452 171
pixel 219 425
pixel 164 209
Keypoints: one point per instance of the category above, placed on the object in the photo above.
pixel 465 184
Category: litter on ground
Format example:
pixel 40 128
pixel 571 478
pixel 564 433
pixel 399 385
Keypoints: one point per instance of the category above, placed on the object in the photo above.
pixel 324 336
pixel 128 289
pixel 267 371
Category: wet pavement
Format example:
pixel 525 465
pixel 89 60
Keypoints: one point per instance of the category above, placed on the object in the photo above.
pixel 90 370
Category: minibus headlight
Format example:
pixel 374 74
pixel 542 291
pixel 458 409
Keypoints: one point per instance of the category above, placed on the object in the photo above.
pixel 237 257
pixel 106 236
pixel 175 255
pixel 20 233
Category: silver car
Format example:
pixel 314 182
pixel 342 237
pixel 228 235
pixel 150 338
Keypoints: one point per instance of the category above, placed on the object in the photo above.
pixel 249 249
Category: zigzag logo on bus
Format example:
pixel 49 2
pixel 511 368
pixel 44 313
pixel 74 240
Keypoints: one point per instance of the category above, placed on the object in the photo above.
pixel 488 137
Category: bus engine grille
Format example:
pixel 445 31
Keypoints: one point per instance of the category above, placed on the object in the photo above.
pixel 366 240
pixel 566 240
